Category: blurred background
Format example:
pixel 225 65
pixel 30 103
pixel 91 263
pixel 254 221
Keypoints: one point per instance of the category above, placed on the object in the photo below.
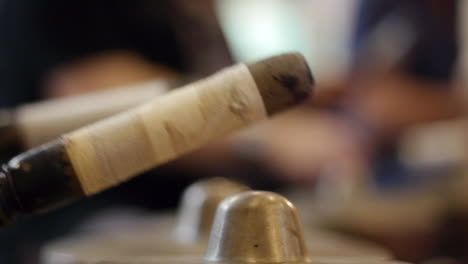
pixel 379 153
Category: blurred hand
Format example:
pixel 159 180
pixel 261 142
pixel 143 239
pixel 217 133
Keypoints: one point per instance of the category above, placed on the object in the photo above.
pixel 301 144
pixel 390 102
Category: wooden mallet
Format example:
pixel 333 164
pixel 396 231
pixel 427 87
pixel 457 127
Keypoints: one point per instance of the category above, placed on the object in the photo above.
pixel 111 151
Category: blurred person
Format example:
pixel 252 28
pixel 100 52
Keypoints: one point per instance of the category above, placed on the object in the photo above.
pixel 404 57
pixel 362 121
pixel 417 87
pixel 384 94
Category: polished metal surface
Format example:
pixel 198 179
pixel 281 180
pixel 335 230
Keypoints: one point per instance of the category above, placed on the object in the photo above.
pixel 152 237
pixel 161 235
pixel 254 227
pixel 198 207
pixel 257 227
pixel 319 260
